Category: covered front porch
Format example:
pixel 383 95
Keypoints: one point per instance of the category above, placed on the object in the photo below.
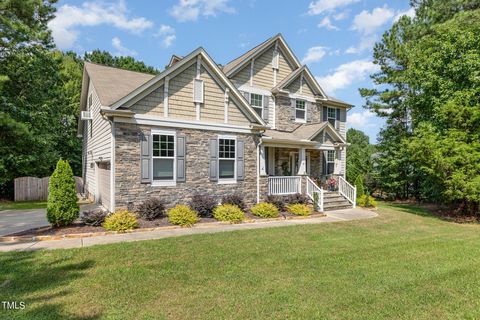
pixel 307 162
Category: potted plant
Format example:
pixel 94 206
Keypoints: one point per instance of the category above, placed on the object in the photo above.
pixel 331 184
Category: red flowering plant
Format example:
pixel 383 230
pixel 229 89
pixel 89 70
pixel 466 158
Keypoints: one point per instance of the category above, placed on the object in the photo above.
pixel 331 183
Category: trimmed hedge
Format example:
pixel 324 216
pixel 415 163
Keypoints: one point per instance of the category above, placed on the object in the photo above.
pixel 299 209
pixel 366 201
pixel 236 199
pixel 228 212
pixel 265 210
pixel 182 215
pixel 62 207
pixel 120 221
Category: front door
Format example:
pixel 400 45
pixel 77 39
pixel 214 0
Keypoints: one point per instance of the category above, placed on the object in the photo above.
pixel 294 163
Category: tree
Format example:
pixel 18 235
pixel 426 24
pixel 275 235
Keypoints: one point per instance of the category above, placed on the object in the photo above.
pixel 62 207
pixel 427 90
pixel 359 185
pixel 359 155
pixel 128 63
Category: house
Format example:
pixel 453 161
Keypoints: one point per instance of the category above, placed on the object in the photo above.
pixel 259 125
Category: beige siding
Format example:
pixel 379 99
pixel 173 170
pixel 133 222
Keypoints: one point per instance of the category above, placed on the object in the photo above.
pixel 104 184
pixel 294 87
pixel 242 77
pixel 235 115
pixel 213 110
pixel 151 105
pixel 263 71
pixel 284 68
pixel 97 143
pixel 180 92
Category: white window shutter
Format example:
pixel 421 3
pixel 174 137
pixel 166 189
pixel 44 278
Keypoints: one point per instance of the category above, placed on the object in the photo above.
pixel 198 91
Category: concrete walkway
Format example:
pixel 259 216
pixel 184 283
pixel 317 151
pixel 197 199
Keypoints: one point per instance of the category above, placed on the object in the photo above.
pixel 333 216
pixel 12 221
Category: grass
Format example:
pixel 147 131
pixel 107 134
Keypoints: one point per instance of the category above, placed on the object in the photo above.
pixel 403 264
pixel 22 205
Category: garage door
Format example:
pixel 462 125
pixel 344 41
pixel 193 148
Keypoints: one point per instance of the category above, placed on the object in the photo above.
pixel 104 184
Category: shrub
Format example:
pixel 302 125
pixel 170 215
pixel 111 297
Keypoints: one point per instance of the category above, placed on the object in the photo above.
pixel 277 201
pixel 297 198
pixel 94 218
pixel 203 205
pixel 121 221
pixel 151 208
pixel 228 212
pixel 359 185
pixel 366 201
pixel 316 201
pixel 265 210
pixel 299 209
pixel 182 215
pixel 62 207
pixel 235 199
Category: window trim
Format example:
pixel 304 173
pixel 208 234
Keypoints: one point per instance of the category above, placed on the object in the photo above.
pixel 333 161
pixel 257 107
pixel 304 120
pixel 334 118
pixel 163 183
pixel 227 180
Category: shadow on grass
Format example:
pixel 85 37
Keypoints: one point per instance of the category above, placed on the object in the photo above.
pixel 27 277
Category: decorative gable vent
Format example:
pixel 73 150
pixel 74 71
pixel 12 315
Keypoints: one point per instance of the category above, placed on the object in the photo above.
pixel 198 91
pixel 86 115
pixel 275 59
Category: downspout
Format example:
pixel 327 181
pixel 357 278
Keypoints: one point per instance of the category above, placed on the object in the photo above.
pixel 112 165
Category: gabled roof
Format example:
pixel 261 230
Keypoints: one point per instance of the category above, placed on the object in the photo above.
pixel 234 65
pixel 305 133
pixel 111 84
pixel 294 74
pixel 244 104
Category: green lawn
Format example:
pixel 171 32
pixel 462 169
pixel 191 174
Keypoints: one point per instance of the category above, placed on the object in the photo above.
pixel 402 265
pixel 22 205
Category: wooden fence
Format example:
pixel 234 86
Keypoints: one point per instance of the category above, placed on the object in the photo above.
pixel 33 188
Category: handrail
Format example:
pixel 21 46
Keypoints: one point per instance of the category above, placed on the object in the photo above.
pixel 347 190
pixel 312 188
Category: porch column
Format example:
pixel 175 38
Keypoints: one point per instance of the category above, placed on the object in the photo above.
pixel 263 170
pixel 302 163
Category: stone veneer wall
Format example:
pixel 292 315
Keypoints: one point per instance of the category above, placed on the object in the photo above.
pixel 129 191
pixel 284 122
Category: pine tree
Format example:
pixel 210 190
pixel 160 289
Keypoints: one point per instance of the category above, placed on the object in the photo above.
pixel 62 207
pixel 359 185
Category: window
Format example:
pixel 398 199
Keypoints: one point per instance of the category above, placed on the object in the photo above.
pixel 300 112
pixel 256 100
pixel 332 116
pixel 330 161
pixel 163 157
pixel 226 158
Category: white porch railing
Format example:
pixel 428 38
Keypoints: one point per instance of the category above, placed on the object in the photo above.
pixel 312 188
pixel 282 185
pixel 347 190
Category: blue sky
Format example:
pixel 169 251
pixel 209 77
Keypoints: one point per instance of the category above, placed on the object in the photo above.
pixel 333 37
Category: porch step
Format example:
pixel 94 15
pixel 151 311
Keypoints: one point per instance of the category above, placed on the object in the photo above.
pixel 335 201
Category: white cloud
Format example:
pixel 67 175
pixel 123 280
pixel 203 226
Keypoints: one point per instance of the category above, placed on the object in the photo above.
pixel 321 6
pixel 167 35
pixel 190 10
pixel 340 16
pixel 366 42
pixel 70 17
pixel 409 13
pixel 361 120
pixel 326 23
pixel 346 74
pixel 368 23
pixel 121 50
pixel 314 54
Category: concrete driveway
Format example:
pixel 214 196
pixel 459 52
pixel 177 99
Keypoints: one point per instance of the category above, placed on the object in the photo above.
pixel 12 221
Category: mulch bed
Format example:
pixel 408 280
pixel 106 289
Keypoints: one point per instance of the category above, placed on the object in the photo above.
pixel 442 212
pixel 79 227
